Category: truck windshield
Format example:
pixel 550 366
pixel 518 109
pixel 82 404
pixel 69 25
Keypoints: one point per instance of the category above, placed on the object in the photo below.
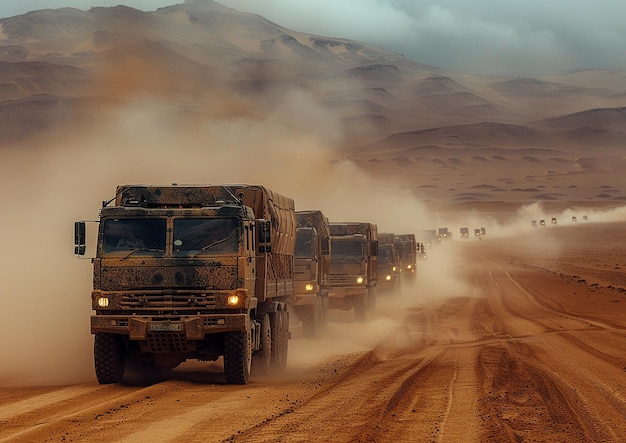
pixel 305 243
pixel 341 248
pixel 205 236
pixel 385 254
pixel 142 236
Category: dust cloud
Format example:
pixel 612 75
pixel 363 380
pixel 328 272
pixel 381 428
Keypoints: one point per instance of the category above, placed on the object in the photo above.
pixel 65 174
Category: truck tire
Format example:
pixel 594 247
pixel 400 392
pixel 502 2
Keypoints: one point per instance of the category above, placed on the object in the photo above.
pixel 286 335
pixel 323 312
pixel 280 327
pixel 310 319
pixel 237 357
pixel 261 359
pixel 109 356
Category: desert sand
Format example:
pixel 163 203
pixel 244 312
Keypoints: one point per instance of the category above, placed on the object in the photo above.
pixel 512 339
pixel 518 336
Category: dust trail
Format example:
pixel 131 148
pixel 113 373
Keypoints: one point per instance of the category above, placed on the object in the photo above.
pixel 63 176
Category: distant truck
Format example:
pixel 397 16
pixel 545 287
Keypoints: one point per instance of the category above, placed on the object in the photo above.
pixel 353 267
pixel 388 268
pixel 312 271
pixel 408 250
pixel 192 272
pixel 444 234
pixel 464 231
pixel 421 251
pixel 429 237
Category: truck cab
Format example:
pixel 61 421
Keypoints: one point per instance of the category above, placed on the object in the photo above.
pixel 192 272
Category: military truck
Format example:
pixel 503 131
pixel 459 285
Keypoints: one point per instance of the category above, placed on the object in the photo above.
pixel 312 270
pixel 443 234
pixel 353 267
pixel 192 272
pixel 421 251
pixel 429 237
pixel 387 266
pixel 408 249
pixel 464 232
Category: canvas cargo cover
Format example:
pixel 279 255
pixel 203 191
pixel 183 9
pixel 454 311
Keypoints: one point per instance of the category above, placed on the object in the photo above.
pixel 314 219
pixel 351 228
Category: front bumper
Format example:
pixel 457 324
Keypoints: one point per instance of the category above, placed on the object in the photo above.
pixel 190 327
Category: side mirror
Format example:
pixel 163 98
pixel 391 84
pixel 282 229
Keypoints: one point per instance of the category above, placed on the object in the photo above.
pixel 325 246
pixel 374 248
pixel 79 238
pixel 264 230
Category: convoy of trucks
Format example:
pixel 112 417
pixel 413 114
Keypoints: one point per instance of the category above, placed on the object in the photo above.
pixel 202 272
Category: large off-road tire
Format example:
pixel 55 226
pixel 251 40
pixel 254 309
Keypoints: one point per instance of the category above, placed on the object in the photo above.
pixel 261 359
pixel 310 320
pixel 109 355
pixel 323 313
pixel 279 322
pixel 237 357
pixel 283 362
pixel 372 298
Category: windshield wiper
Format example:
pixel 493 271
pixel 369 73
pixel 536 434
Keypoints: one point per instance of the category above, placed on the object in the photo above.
pixel 204 248
pixel 141 249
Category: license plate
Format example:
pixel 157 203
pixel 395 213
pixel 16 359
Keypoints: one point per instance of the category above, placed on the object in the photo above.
pixel 166 327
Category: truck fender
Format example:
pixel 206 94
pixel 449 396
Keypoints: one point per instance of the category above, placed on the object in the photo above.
pixel 271 307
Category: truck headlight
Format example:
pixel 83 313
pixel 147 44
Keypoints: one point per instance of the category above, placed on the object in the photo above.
pixel 308 287
pixel 103 302
pixel 359 280
pixel 388 277
pixel 393 269
pixel 233 300
pixel 409 266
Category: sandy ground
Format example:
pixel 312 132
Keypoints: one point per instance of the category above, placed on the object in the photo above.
pixel 522 340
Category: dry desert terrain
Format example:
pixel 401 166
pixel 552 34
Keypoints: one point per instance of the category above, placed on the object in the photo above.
pixel 517 337
pixel 507 339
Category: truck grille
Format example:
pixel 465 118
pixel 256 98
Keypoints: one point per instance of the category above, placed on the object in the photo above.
pixel 130 301
pixel 167 342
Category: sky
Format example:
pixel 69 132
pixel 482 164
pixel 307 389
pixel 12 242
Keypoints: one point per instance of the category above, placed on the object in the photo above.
pixel 499 37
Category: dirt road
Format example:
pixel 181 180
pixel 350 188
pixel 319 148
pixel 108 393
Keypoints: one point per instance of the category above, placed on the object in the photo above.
pixel 526 344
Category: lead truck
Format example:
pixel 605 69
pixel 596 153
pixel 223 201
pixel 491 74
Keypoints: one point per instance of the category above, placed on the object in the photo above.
pixel 192 272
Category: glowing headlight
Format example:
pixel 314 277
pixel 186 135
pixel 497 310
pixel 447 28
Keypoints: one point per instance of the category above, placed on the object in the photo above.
pixel 393 269
pixel 388 278
pixel 103 302
pixel 409 266
pixel 359 280
pixel 308 287
pixel 233 300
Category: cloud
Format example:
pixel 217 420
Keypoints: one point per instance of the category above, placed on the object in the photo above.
pixel 478 37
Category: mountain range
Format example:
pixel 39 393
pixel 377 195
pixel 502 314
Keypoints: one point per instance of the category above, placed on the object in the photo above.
pixel 446 136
